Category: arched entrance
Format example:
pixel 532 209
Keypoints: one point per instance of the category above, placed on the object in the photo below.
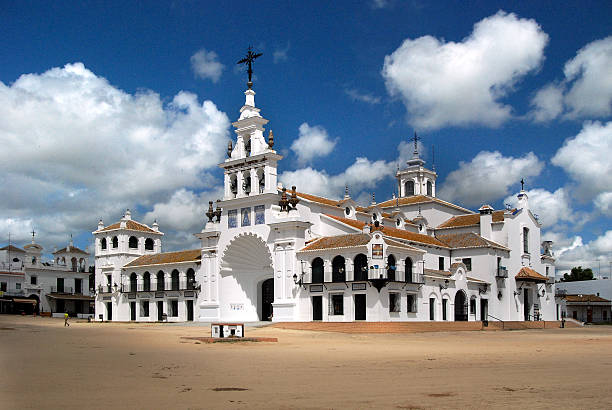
pixel 267 297
pixel 461 314
pixel 245 268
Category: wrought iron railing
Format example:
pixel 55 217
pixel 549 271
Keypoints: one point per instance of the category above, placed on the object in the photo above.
pixel 163 286
pixel 61 289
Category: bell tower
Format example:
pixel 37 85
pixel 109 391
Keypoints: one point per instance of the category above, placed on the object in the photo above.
pixel 416 179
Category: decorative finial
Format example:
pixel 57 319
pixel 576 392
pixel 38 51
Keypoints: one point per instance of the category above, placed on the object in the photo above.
pixel 416 139
pixel 522 184
pixel 271 139
pixel 294 200
pixel 210 214
pixel 229 149
pixel 373 198
pixel 284 202
pixel 346 192
pixel 248 60
pixel 218 211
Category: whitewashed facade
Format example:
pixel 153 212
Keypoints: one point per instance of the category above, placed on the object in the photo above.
pixel 274 253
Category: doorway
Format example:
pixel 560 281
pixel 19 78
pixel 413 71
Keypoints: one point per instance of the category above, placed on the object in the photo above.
pixel 267 298
pixel 461 313
pixel 484 309
pixel 190 310
pixel 109 311
pixel 360 307
pixel 526 304
pixel 444 307
pixel 317 308
pixel 589 314
pixel 132 310
pixel 160 310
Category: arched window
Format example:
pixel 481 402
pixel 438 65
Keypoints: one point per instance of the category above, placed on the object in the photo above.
pixel 338 269
pixel 409 188
pixel 81 265
pixel 525 240
pixel 391 268
pixel 360 264
pixel 461 312
pixel 234 184
pixel 429 188
pixel 133 242
pixel 146 281
pixel 246 183
pixel 34 260
pixel 115 242
pixel 57 260
pixel 408 270
pixel 247 147
pixel 133 283
pixel 174 277
pixel 63 260
pixel 149 244
pixel 317 270
pixel 103 244
pixel 160 280
pixel 15 259
pixel 190 279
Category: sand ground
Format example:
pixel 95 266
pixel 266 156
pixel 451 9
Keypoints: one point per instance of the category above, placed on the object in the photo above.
pixel 112 365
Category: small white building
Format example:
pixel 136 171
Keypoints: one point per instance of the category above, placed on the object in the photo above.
pixel 586 308
pixel 272 253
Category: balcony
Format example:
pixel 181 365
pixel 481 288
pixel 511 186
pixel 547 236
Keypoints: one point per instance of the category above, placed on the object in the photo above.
pixel 158 287
pixel 502 272
pixel 65 290
pixel 416 278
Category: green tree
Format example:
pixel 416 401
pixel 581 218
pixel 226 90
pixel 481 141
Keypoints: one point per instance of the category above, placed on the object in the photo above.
pixel 578 273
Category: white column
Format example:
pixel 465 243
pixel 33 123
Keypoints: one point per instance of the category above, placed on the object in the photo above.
pixel 227 185
pixel 254 182
pixel 239 181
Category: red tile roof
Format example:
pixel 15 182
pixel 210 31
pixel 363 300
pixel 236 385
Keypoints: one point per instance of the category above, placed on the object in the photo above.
pixel 73 249
pixel 192 255
pixel 585 298
pixel 339 241
pixel 130 225
pixel 469 220
pixel 12 248
pixel 468 240
pixel 416 199
pixel 436 272
pixel 529 274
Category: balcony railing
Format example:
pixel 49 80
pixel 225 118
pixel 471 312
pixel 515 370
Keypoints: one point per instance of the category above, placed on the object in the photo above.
pixel 502 272
pixel 63 289
pixel 156 287
pixel 415 278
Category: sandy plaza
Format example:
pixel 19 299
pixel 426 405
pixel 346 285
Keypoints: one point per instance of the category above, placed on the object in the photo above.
pixel 132 365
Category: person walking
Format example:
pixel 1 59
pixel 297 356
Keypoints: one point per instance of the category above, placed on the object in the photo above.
pixel 66 320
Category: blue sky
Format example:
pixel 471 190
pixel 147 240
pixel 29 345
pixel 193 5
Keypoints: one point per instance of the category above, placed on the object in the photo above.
pixel 99 99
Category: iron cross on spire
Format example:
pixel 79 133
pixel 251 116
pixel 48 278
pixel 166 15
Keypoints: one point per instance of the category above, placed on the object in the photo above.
pixel 522 184
pixel 33 233
pixel 415 139
pixel 248 60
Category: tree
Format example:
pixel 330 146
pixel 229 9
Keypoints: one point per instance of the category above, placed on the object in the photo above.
pixel 578 273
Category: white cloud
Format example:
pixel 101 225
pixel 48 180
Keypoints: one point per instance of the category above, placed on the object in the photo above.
pixel 487 177
pixel 281 54
pixel 461 83
pixel 603 202
pixel 362 174
pixel 547 103
pixel 585 255
pixel 586 158
pixel 81 149
pixel 205 64
pixel 551 207
pixel 360 96
pixel 586 90
pixel 313 142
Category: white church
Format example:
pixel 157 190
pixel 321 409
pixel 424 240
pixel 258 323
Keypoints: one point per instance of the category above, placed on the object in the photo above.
pixel 270 252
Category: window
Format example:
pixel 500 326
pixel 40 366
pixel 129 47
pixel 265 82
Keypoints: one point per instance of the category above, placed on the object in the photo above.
pixel 160 280
pixel 33 280
pixel 174 277
pixel 133 242
pixel 338 269
pixel 337 304
pixel 149 244
pixel 410 305
pixel 173 308
pixel 144 310
pixel 3 286
pixel 547 270
pixel 260 215
pixel 60 285
pixel 444 305
pixel 17 286
pixel 432 307
pixel 15 259
pixel 472 306
pixel 441 263
pixel 103 244
pixel 391 268
pixel 146 281
pixel 317 270
pixel 468 263
pixel 115 242
pixel 525 240
pixel 34 260
pixel 409 270
pixel 78 285
pixel 347 211
pixel 191 279
pixel 245 216
pixel 429 188
pixel 231 218
pixel 133 282
pixel 409 188
pixel 394 302
pixel 360 266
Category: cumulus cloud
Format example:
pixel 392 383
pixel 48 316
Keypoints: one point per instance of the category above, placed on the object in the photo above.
pixel 205 64
pixel 586 158
pixel 585 255
pixel 362 174
pixel 586 90
pixel 488 177
pixel 81 149
pixel 357 95
pixel 603 202
pixel 313 142
pixel 551 207
pixel 461 83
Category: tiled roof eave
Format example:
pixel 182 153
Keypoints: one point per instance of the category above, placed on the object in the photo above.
pixel 160 263
pixel 332 248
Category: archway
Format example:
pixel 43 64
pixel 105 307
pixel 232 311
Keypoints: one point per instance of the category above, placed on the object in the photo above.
pixel 461 314
pixel 245 266
pixel 360 265
pixel 267 298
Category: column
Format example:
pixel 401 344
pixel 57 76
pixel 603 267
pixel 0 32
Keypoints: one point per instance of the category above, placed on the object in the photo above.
pixel 254 182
